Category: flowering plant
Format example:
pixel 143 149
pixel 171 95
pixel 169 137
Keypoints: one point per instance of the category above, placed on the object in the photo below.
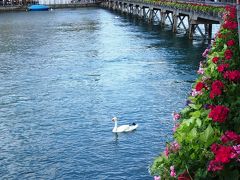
pixel 207 130
pixel 199 7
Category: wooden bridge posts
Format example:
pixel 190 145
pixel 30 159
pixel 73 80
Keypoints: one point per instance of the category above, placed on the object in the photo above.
pixel 175 21
pixel 140 12
pixel 208 30
pixel 163 17
pixel 176 17
pixel 150 16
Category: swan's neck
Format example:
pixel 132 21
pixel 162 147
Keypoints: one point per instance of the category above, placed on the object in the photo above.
pixel 115 126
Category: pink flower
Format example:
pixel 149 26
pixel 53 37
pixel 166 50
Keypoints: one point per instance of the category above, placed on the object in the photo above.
pixel 176 116
pixel 195 93
pixel 175 127
pixel 175 146
pixel 172 173
pixel 166 151
pixel 237 149
pixel 200 71
pixel 205 53
pixel 157 178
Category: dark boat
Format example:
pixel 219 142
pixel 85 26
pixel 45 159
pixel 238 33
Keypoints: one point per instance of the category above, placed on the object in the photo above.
pixel 37 7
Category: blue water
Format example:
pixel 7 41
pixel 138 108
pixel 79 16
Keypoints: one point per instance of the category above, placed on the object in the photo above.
pixel 65 73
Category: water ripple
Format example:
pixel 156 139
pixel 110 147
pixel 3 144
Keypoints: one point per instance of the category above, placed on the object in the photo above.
pixel 64 74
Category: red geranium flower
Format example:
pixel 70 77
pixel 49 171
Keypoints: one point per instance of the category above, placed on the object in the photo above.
pixel 230 136
pixel 231 25
pixel 231 42
pixel 222 67
pixel 232 75
pixel 199 86
pixel 219 113
pixel 224 154
pixel 215 59
pixel 214 148
pixel 216 89
pixel 228 54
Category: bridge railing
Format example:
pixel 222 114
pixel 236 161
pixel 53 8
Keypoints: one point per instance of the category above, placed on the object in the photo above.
pixel 210 2
pixel 212 10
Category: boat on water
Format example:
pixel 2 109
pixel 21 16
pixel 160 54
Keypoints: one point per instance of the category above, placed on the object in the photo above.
pixel 37 7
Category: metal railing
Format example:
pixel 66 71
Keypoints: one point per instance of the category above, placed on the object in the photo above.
pixel 209 2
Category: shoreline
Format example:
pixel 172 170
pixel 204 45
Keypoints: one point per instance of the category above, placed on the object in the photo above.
pixel 53 6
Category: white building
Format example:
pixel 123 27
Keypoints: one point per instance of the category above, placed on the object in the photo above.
pixel 47 2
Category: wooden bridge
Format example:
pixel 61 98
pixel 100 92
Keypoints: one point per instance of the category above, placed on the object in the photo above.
pixel 187 19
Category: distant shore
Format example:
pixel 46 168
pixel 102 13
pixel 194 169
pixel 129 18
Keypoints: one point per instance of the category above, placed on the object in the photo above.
pixel 53 6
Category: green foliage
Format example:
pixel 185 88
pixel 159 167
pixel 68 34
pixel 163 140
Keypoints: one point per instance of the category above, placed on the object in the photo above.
pixel 199 7
pixel 197 131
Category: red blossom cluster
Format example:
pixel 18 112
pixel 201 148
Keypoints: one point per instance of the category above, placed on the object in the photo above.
pixel 228 54
pixel 231 42
pixel 200 86
pixel 216 89
pixel 232 75
pixel 226 152
pixel 232 11
pixel 219 113
pixel 222 67
pixel 231 25
pixel 229 150
pixel 230 136
pixel 230 21
pixel 215 59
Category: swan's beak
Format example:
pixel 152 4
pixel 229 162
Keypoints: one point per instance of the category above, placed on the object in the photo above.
pixel 113 120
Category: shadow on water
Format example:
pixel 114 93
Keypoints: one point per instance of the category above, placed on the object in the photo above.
pixel 162 31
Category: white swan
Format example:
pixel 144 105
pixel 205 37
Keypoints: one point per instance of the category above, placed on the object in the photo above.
pixel 123 128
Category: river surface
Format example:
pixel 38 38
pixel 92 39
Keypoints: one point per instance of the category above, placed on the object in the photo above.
pixel 65 73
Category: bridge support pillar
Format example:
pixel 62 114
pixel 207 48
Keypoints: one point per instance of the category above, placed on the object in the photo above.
pixel 150 18
pixel 175 22
pixel 163 18
pixel 208 30
pixel 191 31
pixel 144 13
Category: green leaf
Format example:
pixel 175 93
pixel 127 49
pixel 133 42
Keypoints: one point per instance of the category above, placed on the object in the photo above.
pixel 199 122
pixel 206 135
pixel 196 114
pixel 195 106
pixel 193 133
